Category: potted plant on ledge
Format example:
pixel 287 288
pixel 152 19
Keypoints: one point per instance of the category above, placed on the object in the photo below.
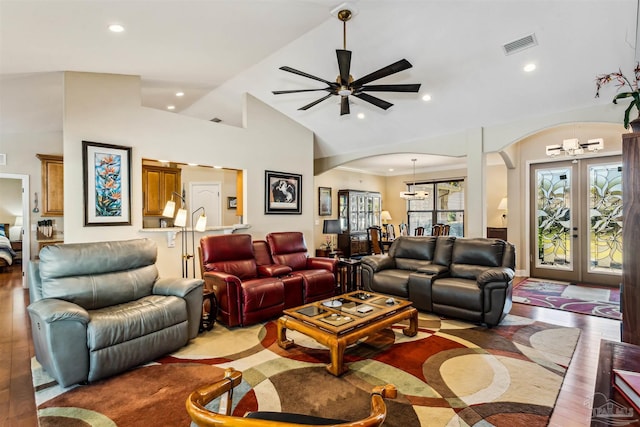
pixel 623 83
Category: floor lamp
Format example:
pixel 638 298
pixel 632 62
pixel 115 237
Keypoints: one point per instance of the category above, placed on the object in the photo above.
pixel 201 225
pixel 180 221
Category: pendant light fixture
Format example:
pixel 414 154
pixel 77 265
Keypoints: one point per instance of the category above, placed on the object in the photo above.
pixel 414 195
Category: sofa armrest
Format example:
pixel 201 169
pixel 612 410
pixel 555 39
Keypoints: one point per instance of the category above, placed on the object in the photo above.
pixel 496 274
pixel 176 286
pixel 228 290
pixel 314 263
pixel 434 269
pixel 378 262
pixel 59 330
pixel 273 270
pixel 52 310
pixel 188 289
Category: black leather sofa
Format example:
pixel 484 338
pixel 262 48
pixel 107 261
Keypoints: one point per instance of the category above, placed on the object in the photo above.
pixel 463 278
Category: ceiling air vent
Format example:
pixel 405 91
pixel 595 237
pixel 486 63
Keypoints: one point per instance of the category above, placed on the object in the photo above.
pixel 520 44
pixel 215 120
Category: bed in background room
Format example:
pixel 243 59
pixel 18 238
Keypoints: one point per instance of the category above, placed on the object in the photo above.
pixel 7 254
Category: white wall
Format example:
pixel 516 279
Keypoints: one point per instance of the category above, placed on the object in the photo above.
pixel 106 108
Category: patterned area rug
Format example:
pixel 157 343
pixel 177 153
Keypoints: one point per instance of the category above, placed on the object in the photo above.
pixel 450 373
pixel 584 299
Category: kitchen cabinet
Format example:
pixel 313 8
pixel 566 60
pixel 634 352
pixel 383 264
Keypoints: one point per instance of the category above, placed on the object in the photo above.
pixel 52 174
pixel 158 183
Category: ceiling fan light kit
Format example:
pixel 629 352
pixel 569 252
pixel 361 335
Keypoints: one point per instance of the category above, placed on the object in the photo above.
pixel 345 85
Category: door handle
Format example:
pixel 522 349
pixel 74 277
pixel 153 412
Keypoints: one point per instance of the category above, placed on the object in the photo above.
pixel 575 236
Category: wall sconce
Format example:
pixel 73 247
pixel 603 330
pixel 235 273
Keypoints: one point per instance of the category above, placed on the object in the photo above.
pixel 503 207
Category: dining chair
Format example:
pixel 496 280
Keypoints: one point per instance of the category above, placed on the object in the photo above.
pixel 419 231
pixel 374 236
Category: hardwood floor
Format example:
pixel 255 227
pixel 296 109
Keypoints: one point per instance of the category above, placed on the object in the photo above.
pixel 17 404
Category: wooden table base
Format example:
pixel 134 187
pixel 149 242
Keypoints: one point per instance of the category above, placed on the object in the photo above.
pixel 338 343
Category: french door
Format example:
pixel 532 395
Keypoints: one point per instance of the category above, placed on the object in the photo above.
pixel 576 220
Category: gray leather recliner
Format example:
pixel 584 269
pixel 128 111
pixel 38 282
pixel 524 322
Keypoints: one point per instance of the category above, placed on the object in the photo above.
pixel 98 309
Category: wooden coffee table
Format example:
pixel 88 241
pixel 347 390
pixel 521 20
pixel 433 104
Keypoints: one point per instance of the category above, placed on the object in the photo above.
pixel 340 321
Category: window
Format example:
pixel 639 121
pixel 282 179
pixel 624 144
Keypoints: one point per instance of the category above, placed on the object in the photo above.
pixel 443 205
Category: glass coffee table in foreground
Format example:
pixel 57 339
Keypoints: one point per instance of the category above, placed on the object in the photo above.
pixel 342 320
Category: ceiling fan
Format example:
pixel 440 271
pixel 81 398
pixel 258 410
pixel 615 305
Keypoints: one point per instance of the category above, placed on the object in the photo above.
pixel 345 85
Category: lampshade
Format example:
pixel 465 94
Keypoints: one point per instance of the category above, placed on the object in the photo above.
pixel 169 209
pixel 201 225
pixel 18 222
pixel 385 216
pixel 503 204
pixel 181 218
pixel 331 226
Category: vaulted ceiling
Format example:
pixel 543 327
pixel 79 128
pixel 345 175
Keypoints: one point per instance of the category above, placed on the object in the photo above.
pixel 216 50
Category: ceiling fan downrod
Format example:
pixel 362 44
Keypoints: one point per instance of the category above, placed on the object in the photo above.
pixel 344 15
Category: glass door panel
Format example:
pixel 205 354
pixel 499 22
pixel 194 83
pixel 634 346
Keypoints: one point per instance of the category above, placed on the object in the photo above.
pixel 553 217
pixel 604 204
pixel 554 236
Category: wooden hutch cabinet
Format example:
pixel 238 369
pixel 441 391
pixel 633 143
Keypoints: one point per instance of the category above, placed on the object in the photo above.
pixel 357 210
pixel 158 183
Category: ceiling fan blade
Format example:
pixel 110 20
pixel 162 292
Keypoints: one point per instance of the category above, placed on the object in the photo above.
pixel 391 88
pixel 373 100
pixel 307 75
pixel 396 67
pixel 280 92
pixel 317 101
pixel 344 106
pixel 344 65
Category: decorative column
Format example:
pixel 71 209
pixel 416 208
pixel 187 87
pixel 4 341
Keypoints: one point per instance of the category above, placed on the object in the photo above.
pixel 631 238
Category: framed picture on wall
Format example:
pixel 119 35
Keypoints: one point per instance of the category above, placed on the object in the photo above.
pixel 107 184
pixel 282 193
pixel 232 202
pixel 324 201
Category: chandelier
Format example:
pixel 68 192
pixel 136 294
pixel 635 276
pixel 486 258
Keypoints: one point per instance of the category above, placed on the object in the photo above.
pixel 414 195
pixel 573 147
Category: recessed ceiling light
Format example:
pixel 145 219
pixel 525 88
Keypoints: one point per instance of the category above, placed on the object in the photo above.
pixel 529 67
pixel 217 167
pixel 391 169
pixel 361 115
pixel 426 97
pixel 192 164
pixel 179 93
pixel 116 28
pixel 171 107
pixel 163 161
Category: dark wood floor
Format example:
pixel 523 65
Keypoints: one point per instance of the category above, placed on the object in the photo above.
pixel 17 404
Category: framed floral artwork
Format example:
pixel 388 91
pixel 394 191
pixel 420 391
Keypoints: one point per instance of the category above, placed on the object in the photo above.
pixel 107 184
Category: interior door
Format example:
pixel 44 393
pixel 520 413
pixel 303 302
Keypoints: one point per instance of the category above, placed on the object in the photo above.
pixel 576 227
pixel 206 195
